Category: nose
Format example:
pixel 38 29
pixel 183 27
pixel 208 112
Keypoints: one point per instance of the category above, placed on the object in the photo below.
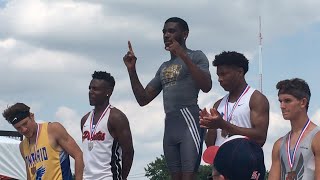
pixel 23 130
pixel 166 35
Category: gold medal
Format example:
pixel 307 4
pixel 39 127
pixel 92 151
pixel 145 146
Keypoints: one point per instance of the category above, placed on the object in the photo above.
pixel 90 145
pixel 291 175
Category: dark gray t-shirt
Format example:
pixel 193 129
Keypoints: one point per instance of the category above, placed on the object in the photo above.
pixel 174 78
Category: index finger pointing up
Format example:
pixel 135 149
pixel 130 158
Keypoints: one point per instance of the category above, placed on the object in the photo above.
pixel 130 46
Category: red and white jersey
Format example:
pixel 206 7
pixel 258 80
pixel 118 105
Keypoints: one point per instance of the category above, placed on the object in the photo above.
pixel 101 152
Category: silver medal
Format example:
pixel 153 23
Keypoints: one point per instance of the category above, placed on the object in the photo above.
pixel 90 145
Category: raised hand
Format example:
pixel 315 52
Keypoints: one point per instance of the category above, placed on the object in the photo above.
pixel 130 59
pixel 175 48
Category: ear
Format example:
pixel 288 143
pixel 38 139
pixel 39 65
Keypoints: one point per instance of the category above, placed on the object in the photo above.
pixel 185 34
pixel 303 102
pixel 32 115
pixel 109 92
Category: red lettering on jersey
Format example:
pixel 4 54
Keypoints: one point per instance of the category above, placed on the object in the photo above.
pixel 99 136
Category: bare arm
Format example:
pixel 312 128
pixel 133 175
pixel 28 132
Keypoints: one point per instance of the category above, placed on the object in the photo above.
pixel 211 137
pixel 201 78
pixel 119 128
pixel 67 143
pixel 212 133
pixel 143 95
pixel 316 151
pixel 275 166
pixel 22 154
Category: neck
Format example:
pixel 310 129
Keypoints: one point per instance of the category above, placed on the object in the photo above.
pixel 298 123
pixel 102 107
pixel 236 93
pixel 32 139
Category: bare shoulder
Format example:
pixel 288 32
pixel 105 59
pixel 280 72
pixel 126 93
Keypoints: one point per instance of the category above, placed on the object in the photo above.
pixel 277 144
pixel 117 117
pixel 316 143
pixel 55 126
pixel 258 98
pixel 84 118
pixel 216 104
pixel 55 129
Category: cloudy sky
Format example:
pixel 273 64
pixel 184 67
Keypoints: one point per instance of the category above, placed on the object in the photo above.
pixel 49 49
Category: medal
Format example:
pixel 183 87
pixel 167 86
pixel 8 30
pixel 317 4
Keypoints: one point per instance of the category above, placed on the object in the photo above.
pixel 291 175
pixel 291 157
pixel 33 170
pixel 94 127
pixel 224 133
pixel 90 145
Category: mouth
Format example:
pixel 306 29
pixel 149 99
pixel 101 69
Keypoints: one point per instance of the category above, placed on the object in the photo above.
pixel 167 43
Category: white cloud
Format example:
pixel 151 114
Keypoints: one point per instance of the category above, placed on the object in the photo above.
pixel 7 43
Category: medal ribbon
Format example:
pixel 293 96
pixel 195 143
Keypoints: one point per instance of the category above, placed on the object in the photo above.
pixel 36 143
pixel 291 158
pixel 228 117
pixel 93 129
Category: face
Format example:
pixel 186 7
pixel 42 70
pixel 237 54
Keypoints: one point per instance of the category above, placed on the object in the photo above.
pixel 290 106
pixel 172 30
pixel 26 126
pixel 99 92
pixel 228 76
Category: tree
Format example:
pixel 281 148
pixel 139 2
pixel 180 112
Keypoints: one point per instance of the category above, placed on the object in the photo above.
pixel 158 170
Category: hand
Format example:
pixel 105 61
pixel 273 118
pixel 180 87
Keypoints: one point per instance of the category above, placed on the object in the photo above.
pixel 210 120
pixel 175 48
pixel 130 59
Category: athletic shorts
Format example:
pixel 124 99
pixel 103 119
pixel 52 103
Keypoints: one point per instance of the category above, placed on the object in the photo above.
pixel 183 140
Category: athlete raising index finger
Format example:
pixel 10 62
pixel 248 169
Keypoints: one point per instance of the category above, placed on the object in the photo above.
pixel 181 79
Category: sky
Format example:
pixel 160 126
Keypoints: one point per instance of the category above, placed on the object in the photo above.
pixel 49 49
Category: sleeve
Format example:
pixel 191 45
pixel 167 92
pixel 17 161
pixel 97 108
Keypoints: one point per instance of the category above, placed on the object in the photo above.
pixel 155 83
pixel 201 60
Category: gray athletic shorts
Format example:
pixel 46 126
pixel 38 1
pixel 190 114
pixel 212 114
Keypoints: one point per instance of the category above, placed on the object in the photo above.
pixel 183 140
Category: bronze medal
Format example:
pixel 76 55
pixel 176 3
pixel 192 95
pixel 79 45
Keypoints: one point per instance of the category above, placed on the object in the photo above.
pixel 224 133
pixel 33 170
pixel 291 175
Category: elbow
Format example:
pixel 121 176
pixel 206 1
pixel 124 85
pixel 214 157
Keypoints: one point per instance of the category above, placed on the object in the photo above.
pixel 261 141
pixel 141 103
pixel 207 87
